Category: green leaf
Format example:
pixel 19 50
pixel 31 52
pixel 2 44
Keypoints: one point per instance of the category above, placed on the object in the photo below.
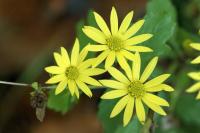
pixel 179 86
pixel 187 109
pixel 115 125
pixel 161 22
pixel 109 124
pixel 84 40
pixel 133 127
pixel 62 102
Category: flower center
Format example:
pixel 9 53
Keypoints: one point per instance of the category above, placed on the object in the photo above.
pixel 136 89
pixel 72 72
pixel 114 43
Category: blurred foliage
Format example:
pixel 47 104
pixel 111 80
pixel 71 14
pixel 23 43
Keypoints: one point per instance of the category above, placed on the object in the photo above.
pixel 188 14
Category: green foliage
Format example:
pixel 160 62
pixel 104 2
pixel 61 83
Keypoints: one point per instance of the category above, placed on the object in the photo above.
pixel 109 124
pixel 133 127
pixel 62 102
pixel 189 115
pixel 84 40
pixel 161 23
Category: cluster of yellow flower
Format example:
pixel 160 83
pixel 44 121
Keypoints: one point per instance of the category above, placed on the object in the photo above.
pixel 118 43
pixel 195 75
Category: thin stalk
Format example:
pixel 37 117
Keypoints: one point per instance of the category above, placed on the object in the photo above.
pixel 149 124
pixel 14 83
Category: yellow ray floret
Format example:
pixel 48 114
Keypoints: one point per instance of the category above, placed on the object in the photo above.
pixel 196 46
pixel 118 42
pixel 135 90
pixel 195 87
pixel 74 72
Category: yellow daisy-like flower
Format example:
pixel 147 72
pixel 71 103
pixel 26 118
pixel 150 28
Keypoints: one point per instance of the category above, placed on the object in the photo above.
pixel 75 73
pixel 117 43
pixel 196 87
pixel 135 90
pixel 196 46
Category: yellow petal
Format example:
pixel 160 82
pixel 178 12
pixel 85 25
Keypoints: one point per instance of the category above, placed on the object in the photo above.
pixel 140 110
pixel 138 48
pixel 102 24
pixel 114 21
pixel 84 88
pixel 159 87
pixel 72 86
pixel 114 94
pixel 136 66
pixel 55 70
pixel 89 80
pixel 113 84
pixel 56 79
pixel 110 59
pixel 86 64
pixel 127 54
pixel 124 65
pixel 93 71
pixel 100 58
pixel 196 60
pixel 94 34
pixel 58 59
pixel 156 100
pixel 61 86
pixel 154 107
pixel 138 39
pixel 149 69
pixel 128 111
pixel 194 87
pixel 195 46
pixel 77 92
pixel 126 22
pixel 65 57
pixel 83 54
pixel 133 29
pixel 156 81
pixel 118 75
pixel 194 75
pixel 119 106
pixel 96 48
pixel 75 53
pixel 198 95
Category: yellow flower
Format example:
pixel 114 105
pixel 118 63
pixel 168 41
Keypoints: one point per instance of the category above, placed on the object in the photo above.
pixel 196 46
pixel 196 87
pixel 136 90
pixel 75 73
pixel 117 43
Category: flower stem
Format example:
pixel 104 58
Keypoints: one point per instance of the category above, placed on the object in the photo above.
pixel 14 83
pixel 149 124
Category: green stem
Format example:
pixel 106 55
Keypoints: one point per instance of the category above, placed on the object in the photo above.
pixel 148 125
pixel 14 83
